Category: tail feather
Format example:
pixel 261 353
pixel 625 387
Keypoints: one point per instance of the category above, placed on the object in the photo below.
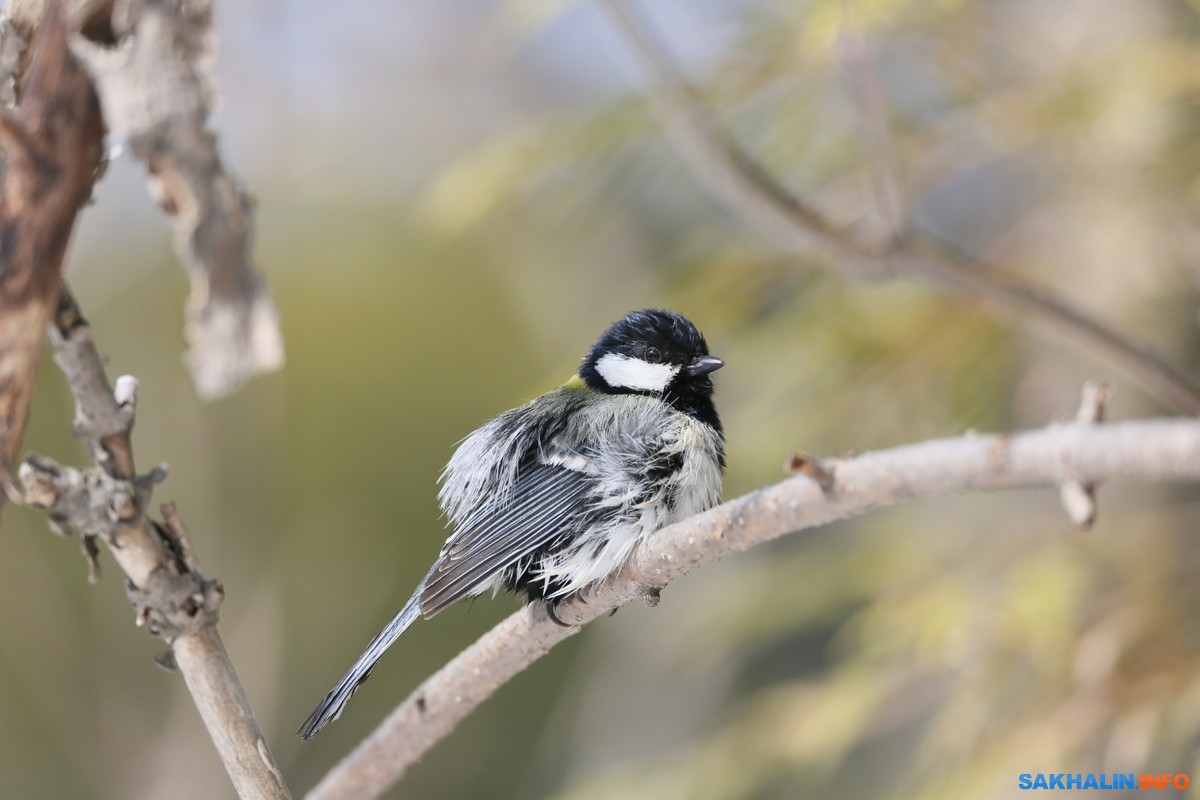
pixel 331 707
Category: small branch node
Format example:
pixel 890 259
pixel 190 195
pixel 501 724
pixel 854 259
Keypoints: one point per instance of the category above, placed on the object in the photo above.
pixel 92 554
pixel 123 507
pixel 156 475
pixel 1092 403
pixel 173 604
pixel 89 501
pixel 1079 501
pixel 39 477
pixel 143 613
pixel 814 469
pixel 174 524
pixel 652 596
pixel 125 393
pixel 1079 498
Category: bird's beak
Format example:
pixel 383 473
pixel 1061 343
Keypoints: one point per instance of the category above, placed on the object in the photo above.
pixel 702 365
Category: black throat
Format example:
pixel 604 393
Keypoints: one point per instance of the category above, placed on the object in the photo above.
pixel 694 397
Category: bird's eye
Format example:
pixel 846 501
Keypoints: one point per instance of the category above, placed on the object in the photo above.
pixel 653 355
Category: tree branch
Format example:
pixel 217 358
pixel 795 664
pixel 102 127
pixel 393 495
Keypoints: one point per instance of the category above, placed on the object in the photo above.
pixel 857 61
pixel 826 491
pixel 156 94
pixel 173 599
pixel 52 148
pixel 787 221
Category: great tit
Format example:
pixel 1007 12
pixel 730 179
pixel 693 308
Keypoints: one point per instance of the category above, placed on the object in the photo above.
pixel 553 496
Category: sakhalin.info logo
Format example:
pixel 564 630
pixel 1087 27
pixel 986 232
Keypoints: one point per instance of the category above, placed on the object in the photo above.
pixel 1103 780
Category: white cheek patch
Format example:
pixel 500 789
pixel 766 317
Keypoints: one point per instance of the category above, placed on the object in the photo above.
pixel 633 373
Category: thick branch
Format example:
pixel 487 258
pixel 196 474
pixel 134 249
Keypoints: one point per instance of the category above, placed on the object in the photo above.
pixel 173 599
pixel 782 218
pixel 52 146
pixel 1154 450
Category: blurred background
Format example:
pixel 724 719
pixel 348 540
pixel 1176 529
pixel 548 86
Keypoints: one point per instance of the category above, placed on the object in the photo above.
pixel 454 200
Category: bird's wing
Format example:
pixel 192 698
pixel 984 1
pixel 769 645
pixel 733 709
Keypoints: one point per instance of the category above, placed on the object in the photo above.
pixel 544 502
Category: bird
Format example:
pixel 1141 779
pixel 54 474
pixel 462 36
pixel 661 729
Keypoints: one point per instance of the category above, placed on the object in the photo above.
pixel 552 497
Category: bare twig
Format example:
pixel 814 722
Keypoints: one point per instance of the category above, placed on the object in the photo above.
pixel 858 65
pixel 52 143
pixel 156 94
pixel 1153 450
pixel 812 468
pixel 173 599
pixel 792 225
pixel 1079 497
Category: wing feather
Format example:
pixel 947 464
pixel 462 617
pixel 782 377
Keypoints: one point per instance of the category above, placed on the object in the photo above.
pixel 497 537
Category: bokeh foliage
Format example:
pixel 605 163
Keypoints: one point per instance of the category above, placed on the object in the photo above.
pixel 454 201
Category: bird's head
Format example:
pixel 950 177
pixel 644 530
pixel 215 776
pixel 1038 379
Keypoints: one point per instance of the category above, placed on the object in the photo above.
pixel 655 352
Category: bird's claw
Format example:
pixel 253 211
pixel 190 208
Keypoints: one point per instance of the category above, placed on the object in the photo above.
pixel 553 615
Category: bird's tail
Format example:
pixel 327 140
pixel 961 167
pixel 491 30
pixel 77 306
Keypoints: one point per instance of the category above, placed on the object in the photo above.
pixel 331 707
